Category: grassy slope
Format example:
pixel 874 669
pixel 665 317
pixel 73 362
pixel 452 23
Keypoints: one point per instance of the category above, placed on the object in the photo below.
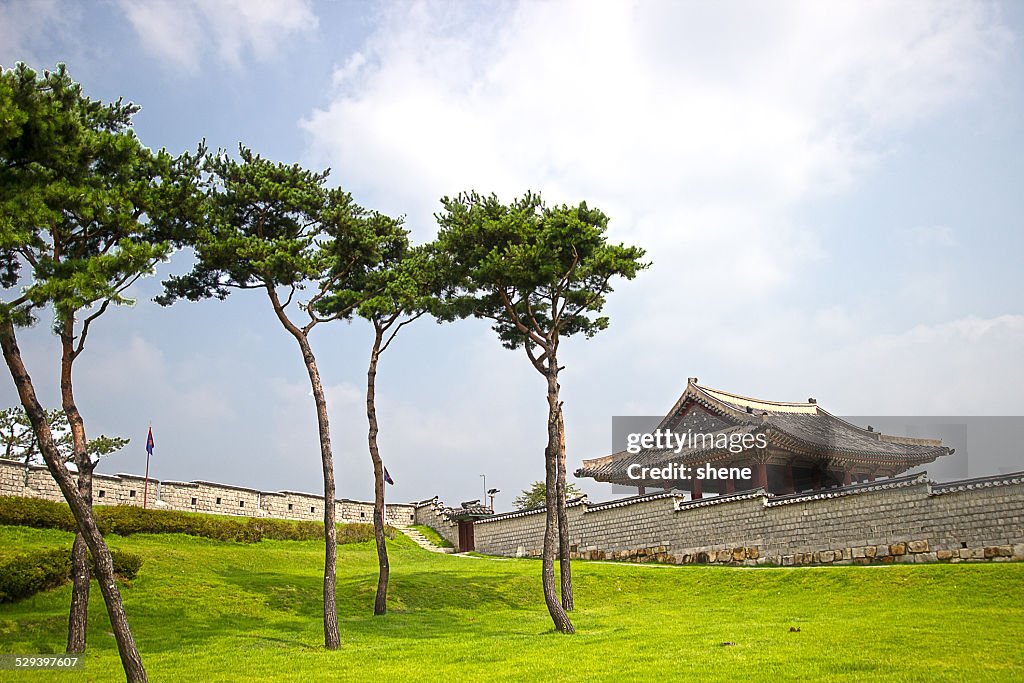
pixel 212 610
pixel 431 534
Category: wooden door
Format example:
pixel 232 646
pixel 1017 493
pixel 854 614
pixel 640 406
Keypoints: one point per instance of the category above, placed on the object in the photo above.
pixel 465 536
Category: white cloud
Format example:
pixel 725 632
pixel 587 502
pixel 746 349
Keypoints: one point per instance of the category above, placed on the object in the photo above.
pixel 701 129
pixel 167 29
pixel 119 368
pixel 688 124
pixel 180 31
pixel 27 25
pixel 961 366
pixel 139 367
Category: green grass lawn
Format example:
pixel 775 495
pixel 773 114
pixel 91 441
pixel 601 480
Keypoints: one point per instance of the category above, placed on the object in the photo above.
pixel 219 611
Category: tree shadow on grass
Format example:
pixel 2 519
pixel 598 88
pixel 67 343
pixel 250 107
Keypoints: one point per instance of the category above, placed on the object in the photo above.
pixel 172 613
pixel 421 604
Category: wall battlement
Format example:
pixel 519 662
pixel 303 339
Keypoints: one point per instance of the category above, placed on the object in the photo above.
pixel 209 497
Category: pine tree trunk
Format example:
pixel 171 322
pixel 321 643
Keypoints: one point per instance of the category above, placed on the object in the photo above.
pixel 332 640
pixel 380 605
pixel 78 615
pixel 564 558
pixel 82 512
pixel 81 574
pixel 555 609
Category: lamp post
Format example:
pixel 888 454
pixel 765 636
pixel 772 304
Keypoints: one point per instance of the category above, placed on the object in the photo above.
pixel 484 477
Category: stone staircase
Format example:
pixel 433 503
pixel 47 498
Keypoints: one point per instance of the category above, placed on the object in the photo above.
pixel 421 540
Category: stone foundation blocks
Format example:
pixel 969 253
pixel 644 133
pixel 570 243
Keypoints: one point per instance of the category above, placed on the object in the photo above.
pixel 918 546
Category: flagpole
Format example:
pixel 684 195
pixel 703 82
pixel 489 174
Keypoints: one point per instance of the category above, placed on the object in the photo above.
pixel 145 487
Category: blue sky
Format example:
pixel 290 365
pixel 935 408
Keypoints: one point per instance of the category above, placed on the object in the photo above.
pixel 830 195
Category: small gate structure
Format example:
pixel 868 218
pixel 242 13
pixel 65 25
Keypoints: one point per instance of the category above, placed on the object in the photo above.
pixel 464 516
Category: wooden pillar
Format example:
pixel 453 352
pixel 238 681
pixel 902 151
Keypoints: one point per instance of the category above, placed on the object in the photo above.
pixel 847 478
pixel 871 476
pixel 640 490
pixel 730 485
pixel 787 480
pixel 761 476
pixel 697 493
pixel 816 479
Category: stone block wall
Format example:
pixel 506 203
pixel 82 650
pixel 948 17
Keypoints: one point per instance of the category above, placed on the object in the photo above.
pixel 358 511
pixel 226 499
pixel 294 505
pixel 183 495
pixel 196 496
pixel 42 485
pixel 908 519
pixel 118 489
pixel 429 513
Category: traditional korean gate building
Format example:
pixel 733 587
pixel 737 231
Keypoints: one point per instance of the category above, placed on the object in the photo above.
pixel 789 447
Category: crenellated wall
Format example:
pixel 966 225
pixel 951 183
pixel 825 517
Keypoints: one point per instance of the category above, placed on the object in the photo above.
pixel 195 496
pixel 908 519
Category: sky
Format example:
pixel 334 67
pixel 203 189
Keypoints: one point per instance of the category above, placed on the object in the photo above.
pixel 829 194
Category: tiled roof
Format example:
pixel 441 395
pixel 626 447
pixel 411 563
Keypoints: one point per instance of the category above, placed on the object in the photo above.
pixel 757 405
pixel 978 483
pixel 852 489
pixel 581 500
pixel 825 431
pixel 622 502
pixel 718 500
pixel 471 509
pixel 803 428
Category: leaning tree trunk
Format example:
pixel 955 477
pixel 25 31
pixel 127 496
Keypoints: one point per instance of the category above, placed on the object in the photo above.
pixel 78 615
pixel 555 609
pixel 380 605
pixel 564 558
pixel 332 640
pixel 80 509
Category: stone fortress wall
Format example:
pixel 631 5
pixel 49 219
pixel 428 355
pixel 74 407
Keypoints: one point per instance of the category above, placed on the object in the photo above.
pixel 431 512
pixel 905 519
pixel 35 481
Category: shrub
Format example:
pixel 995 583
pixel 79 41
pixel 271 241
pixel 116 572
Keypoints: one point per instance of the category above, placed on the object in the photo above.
pixel 126 520
pixel 288 530
pixel 27 574
pixel 37 513
pixel 126 564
